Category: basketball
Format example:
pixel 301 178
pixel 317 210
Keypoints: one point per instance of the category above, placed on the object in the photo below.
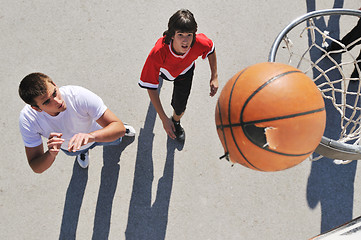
pixel 270 117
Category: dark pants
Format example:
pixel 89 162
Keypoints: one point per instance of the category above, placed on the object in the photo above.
pixel 181 89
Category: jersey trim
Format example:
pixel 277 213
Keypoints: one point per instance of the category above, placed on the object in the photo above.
pixel 176 55
pixel 210 52
pixel 165 73
pixel 147 85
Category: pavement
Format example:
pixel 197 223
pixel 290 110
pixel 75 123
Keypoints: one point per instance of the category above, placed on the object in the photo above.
pixel 151 187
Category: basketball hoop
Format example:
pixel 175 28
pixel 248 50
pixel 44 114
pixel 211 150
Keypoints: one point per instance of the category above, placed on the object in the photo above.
pixel 305 47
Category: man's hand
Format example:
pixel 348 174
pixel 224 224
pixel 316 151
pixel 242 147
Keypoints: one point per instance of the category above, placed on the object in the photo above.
pixel 54 143
pixel 169 127
pixel 79 140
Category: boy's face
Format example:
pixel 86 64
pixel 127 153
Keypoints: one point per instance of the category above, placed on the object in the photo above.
pixel 182 42
pixel 51 102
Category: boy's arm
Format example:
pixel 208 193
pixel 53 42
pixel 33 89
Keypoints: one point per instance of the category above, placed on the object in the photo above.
pixel 167 123
pixel 112 129
pixel 214 75
pixel 40 161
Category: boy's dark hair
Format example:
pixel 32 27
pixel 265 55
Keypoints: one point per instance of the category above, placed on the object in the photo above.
pixel 183 21
pixel 32 86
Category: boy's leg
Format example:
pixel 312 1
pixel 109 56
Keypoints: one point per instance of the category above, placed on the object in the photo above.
pixel 181 91
pixel 177 117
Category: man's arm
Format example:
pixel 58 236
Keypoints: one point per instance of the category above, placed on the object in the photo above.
pixel 214 75
pixel 167 123
pixel 112 129
pixel 40 161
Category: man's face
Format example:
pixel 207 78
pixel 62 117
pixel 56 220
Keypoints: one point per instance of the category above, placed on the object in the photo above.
pixel 182 42
pixel 51 102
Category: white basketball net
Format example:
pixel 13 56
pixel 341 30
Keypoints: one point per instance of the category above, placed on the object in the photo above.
pixel 331 71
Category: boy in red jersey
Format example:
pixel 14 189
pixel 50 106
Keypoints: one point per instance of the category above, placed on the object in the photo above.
pixel 173 58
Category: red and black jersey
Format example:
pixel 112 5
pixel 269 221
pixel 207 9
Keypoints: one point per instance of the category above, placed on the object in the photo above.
pixel 163 61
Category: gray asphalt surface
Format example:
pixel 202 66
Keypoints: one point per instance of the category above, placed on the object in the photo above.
pixel 151 187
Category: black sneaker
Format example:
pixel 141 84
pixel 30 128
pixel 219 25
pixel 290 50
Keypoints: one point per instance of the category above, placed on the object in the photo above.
pixel 179 131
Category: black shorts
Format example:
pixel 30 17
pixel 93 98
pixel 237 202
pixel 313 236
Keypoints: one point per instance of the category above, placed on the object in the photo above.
pixel 181 89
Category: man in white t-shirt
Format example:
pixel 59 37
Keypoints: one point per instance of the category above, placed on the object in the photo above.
pixel 72 118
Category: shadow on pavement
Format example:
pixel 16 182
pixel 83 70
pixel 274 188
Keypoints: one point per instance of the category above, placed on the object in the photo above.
pixel 328 184
pixel 108 185
pixel 147 220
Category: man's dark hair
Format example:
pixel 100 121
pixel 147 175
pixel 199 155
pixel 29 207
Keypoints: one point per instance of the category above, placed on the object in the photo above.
pixel 32 86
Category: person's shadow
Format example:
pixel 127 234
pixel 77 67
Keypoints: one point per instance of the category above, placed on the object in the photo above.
pixel 73 201
pixel 328 184
pixel 147 220
pixel 108 185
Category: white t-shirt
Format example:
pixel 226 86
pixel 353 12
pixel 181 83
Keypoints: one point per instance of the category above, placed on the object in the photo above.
pixel 83 109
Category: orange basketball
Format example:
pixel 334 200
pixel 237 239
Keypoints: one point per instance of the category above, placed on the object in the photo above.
pixel 270 117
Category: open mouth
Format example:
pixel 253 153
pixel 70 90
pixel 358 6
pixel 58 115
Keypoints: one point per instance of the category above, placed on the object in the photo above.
pixel 61 105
